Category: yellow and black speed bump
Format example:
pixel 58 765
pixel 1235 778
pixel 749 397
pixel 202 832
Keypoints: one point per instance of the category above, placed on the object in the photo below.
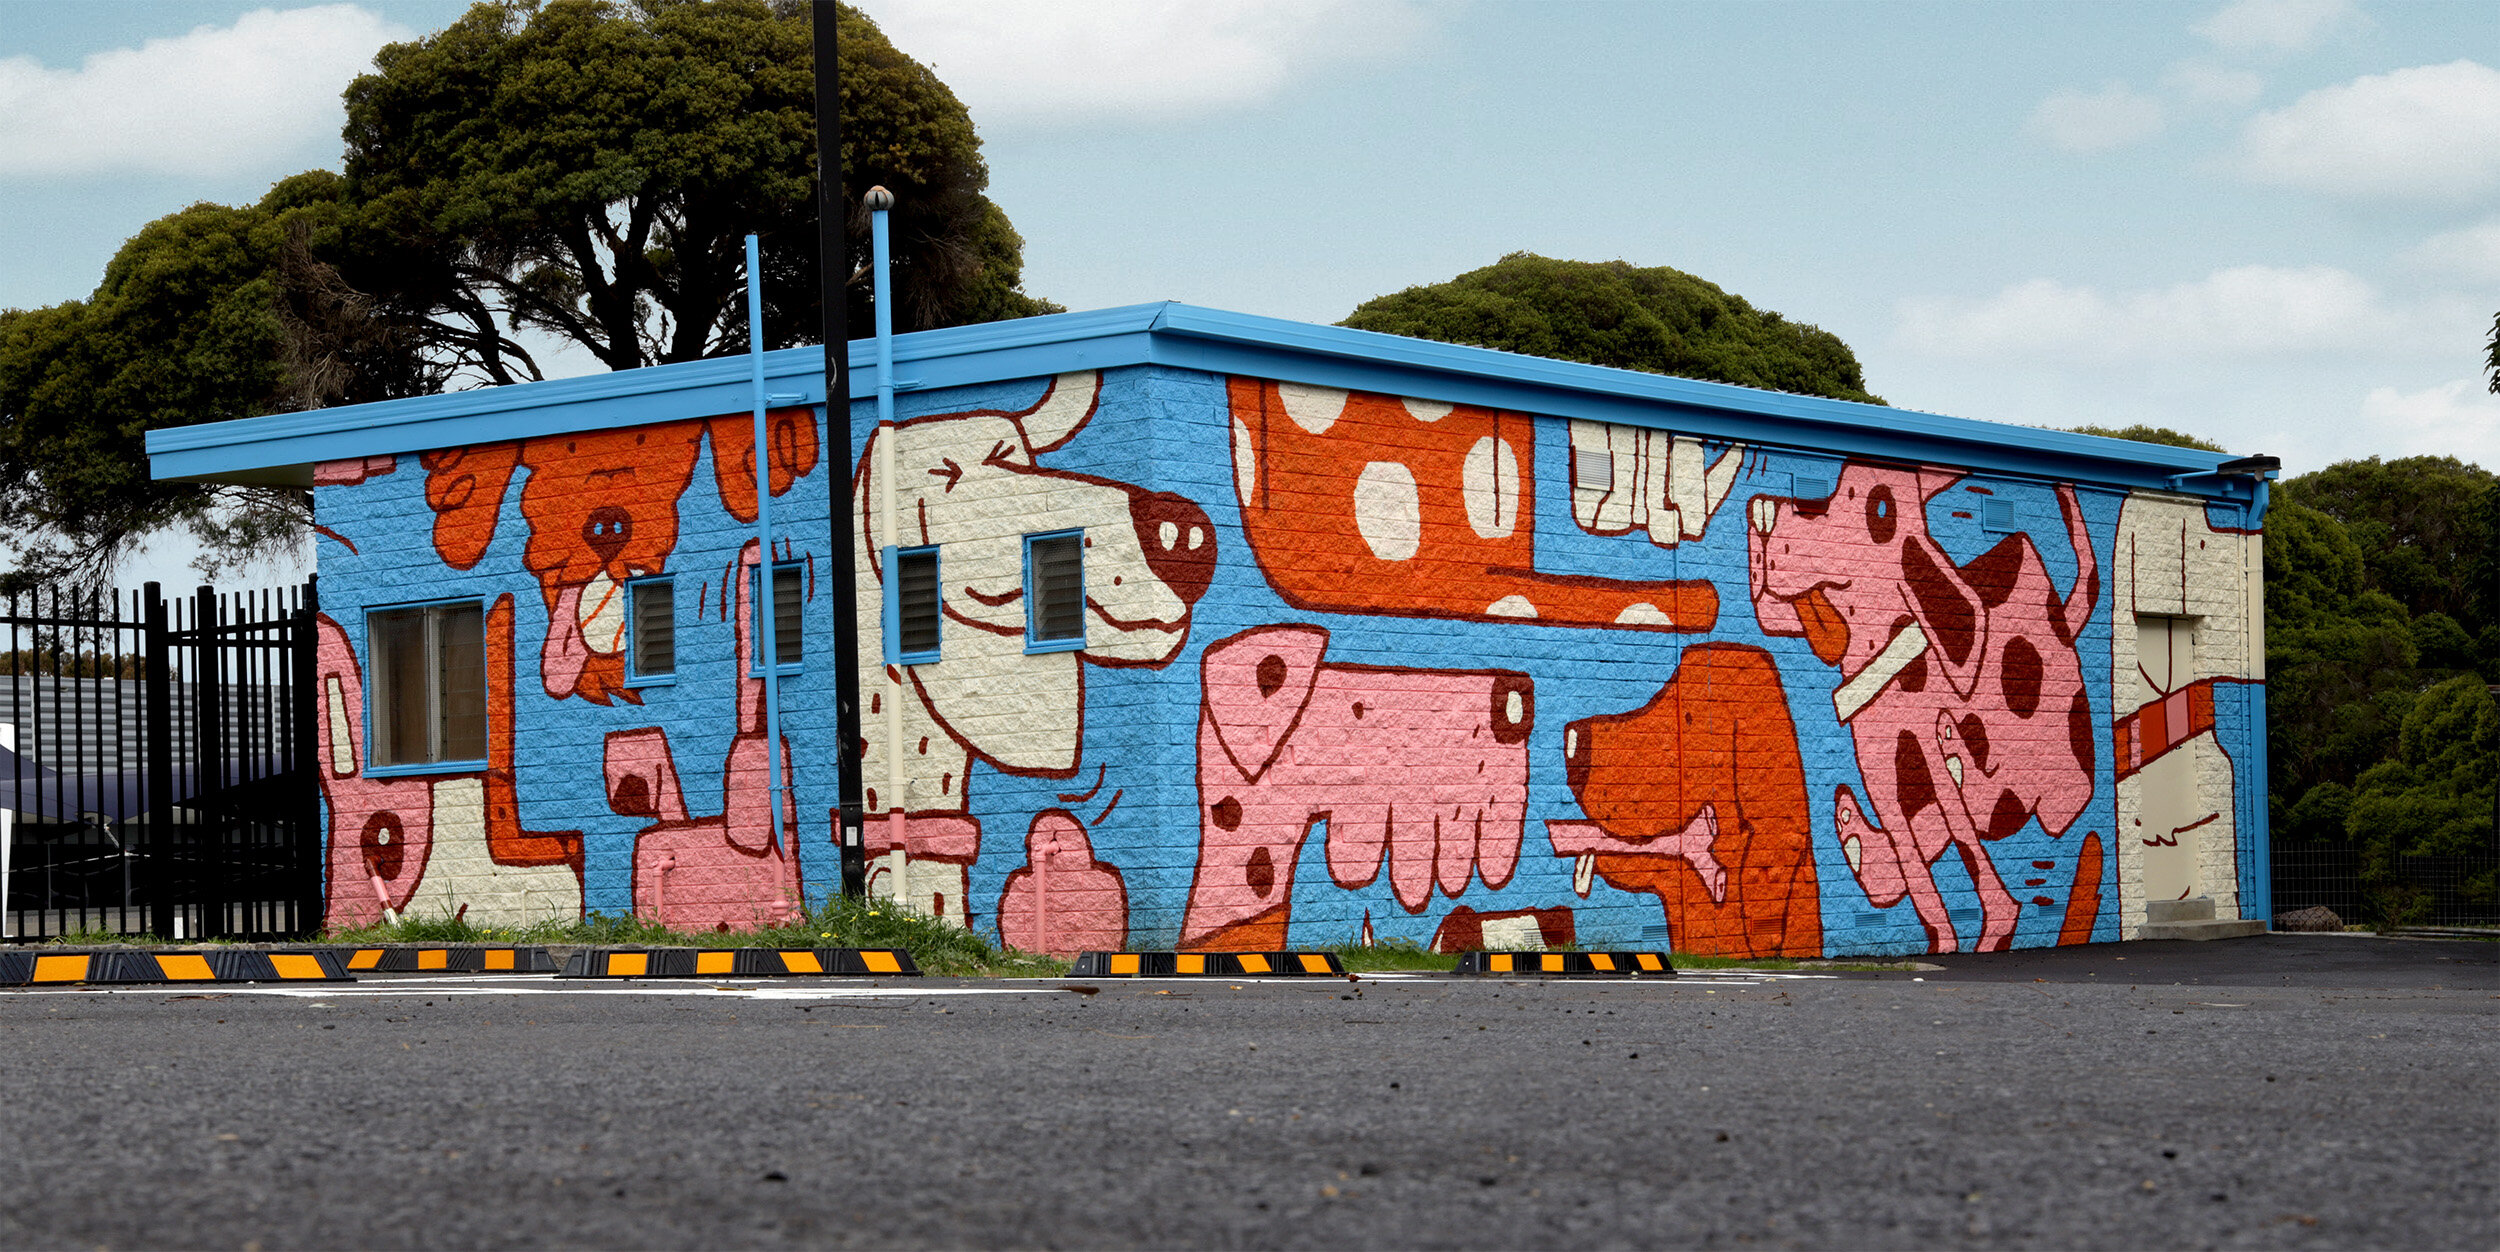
pixel 736 962
pixel 25 969
pixel 1206 964
pixel 463 959
pixel 1568 964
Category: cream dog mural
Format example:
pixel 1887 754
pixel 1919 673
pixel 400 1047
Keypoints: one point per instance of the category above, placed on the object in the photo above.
pixel 971 483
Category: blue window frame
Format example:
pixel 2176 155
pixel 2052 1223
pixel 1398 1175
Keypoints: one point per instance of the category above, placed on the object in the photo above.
pixel 425 688
pixel 914 606
pixel 651 632
pixel 1054 591
pixel 788 602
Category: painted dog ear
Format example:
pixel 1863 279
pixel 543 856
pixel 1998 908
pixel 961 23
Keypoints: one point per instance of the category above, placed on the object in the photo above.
pixel 465 488
pixel 1062 411
pixel 792 436
pixel 1256 685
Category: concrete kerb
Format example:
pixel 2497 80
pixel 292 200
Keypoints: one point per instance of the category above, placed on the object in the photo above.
pixel 1207 965
pixel 1568 964
pixel 130 965
pixel 739 963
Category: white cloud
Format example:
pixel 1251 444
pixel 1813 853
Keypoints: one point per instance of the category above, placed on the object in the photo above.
pixel 2458 419
pixel 2471 254
pixel 2427 133
pixel 2113 117
pixel 2275 26
pixel 2202 82
pixel 2247 311
pixel 1052 60
pixel 212 101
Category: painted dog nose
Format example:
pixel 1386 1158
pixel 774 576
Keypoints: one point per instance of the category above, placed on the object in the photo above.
pixel 1178 540
pixel 606 531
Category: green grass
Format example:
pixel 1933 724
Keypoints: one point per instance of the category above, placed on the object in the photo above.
pixel 938 947
pixel 1394 956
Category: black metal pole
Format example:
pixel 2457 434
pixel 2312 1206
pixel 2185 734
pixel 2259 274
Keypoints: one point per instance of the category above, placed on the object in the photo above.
pixel 208 761
pixel 303 761
pixel 833 267
pixel 158 742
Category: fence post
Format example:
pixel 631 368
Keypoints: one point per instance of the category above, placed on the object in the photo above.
pixel 157 740
pixel 208 775
pixel 304 745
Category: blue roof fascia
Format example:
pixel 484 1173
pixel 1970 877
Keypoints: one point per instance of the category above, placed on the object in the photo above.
pixel 482 415
pixel 1337 356
pixel 1188 337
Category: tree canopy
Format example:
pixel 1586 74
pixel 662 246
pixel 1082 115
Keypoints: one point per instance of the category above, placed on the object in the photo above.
pixel 581 169
pixel 1657 320
pixel 2382 634
pixel 2141 433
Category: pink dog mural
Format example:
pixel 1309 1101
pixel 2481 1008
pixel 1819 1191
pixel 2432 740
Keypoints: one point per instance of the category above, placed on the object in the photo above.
pixel 1961 685
pixel 1423 770
pixel 736 869
pixel 438 844
pixel 1063 901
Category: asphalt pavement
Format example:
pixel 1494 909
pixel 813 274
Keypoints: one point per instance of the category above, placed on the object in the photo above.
pixel 2333 1092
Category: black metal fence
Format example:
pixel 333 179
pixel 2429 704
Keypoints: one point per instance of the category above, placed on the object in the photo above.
pixel 2461 891
pixel 158 774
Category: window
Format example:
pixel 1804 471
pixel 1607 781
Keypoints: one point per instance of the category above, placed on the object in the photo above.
pixel 654 627
pixel 1592 469
pixel 1997 516
pixel 912 605
pixel 1054 592
pixel 789 594
pixel 428 696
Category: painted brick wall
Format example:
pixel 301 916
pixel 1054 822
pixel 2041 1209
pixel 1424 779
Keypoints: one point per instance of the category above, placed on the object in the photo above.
pixel 1457 676
pixel 1355 665
pixel 598 794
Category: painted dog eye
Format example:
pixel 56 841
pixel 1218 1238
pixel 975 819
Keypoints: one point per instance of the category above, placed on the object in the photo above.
pixel 1879 515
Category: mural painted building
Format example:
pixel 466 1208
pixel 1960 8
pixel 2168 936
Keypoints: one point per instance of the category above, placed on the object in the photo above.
pixel 1190 628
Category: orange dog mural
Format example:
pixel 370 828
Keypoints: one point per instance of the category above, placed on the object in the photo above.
pixel 1359 503
pixel 601 507
pixel 1699 798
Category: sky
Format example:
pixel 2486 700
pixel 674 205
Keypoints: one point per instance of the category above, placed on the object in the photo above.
pixel 2271 223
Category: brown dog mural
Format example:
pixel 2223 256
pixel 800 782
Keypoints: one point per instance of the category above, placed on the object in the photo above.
pixel 1699 798
pixel 1960 685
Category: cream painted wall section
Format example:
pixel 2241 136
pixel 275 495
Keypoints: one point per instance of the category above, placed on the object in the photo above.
pixel 2187 608
pixel 460 874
